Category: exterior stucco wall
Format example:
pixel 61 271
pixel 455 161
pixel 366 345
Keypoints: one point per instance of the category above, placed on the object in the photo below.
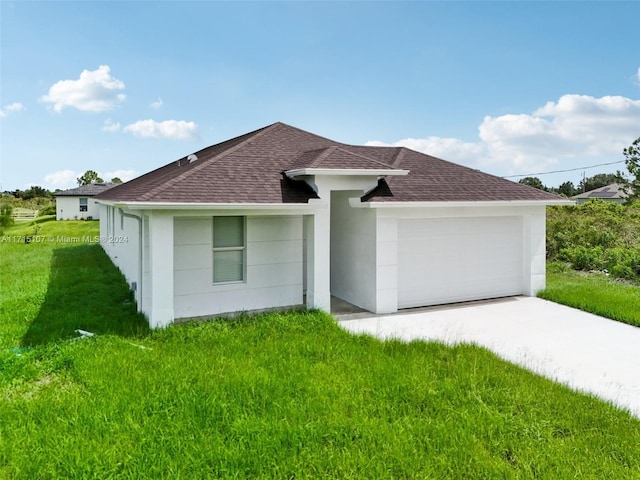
pixel 363 263
pixel 535 248
pixel 68 208
pixel 365 243
pixel 386 265
pixel 273 267
pixel 161 279
pixel 146 270
pixel 353 251
pixel 120 237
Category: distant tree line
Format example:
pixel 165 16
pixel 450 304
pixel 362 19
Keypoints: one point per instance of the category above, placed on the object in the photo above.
pixel 90 176
pixel 568 189
pixel 31 193
pixel 632 162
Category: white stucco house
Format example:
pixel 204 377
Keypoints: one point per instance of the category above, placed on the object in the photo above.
pixel 78 203
pixel 281 217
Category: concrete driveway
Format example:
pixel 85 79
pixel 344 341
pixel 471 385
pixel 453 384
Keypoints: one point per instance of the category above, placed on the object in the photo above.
pixel 584 351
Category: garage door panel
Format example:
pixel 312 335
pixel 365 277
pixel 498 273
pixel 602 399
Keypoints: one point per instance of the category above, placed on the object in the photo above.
pixel 451 260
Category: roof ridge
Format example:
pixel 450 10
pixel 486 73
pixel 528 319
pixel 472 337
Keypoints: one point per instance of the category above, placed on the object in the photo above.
pixel 186 174
pixel 327 152
pixel 362 156
pixel 399 156
pixel 310 133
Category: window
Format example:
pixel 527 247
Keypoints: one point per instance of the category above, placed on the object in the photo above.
pixel 83 204
pixel 228 249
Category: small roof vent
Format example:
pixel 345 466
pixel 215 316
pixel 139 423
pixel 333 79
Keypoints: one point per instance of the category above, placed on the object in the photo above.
pixel 192 158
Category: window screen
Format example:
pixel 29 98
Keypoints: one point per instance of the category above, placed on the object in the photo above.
pixel 228 249
pixel 228 232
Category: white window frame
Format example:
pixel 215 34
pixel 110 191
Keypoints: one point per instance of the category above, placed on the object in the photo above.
pixel 242 248
pixel 86 204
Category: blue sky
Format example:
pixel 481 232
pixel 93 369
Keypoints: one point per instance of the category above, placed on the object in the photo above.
pixel 125 87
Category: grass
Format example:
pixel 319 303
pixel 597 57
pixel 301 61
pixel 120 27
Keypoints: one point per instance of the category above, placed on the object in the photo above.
pixel 58 283
pixel 286 395
pixel 593 292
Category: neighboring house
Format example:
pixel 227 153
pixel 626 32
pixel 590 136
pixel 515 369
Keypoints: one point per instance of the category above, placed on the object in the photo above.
pixel 611 193
pixel 281 217
pixel 78 203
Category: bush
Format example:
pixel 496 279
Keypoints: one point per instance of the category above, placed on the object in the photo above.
pixel 49 210
pixel 598 235
pixel 582 258
pixel 6 220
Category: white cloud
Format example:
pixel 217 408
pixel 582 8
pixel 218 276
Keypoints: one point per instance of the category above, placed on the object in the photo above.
pixel 157 104
pixel 110 126
pixel 451 149
pixel 124 175
pixel 12 107
pixel 574 127
pixel 638 75
pixel 173 129
pixel 62 179
pixel 94 91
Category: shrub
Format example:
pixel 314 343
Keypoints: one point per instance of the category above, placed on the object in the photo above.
pixel 622 271
pixel 583 258
pixel 596 236
pixel 6 220
pixel 49 210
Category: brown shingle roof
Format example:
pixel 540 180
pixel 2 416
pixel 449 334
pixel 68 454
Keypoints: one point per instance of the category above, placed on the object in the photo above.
pixel 88 190
pixel 615 190
pixel 336 157
pixel 250 169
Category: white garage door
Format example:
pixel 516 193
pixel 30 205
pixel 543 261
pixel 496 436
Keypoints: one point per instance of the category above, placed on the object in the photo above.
pixel 457 259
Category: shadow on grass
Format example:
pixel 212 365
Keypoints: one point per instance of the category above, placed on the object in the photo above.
pixel 87 292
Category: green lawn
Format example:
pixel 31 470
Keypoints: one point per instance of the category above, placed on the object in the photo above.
pixel 274 395
pixel 595 293
pixel 60 282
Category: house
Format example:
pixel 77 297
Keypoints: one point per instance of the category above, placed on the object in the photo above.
pixel 280 217
pixel 611 193
pixel 77 203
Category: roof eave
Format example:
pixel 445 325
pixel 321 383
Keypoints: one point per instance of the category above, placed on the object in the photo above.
pixel 76 194
pixel 379 172
pixel 199 205
pixel 357 203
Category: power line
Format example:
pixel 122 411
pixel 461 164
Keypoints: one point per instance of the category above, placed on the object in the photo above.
pixel 562 171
